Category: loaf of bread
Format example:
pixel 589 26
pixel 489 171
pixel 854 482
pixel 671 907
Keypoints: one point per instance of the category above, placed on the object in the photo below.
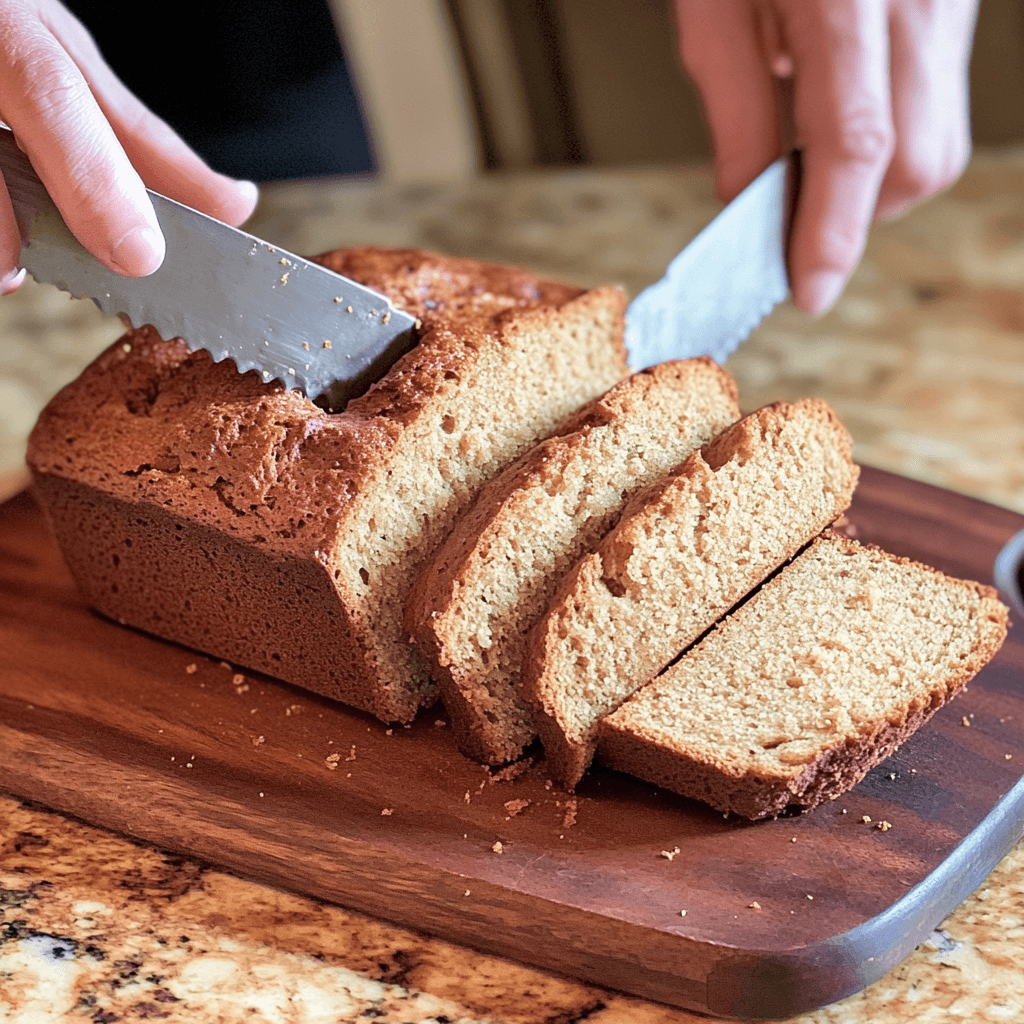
pixel 684 552
pixel 489 582
pixel 240 519
pixel 821 675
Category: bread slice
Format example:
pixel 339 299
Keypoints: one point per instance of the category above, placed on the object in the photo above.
pixel 817 678
pixel 239 519
pixel 685 551
pixel 490 581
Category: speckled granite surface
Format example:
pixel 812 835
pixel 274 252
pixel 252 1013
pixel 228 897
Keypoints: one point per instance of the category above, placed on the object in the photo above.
pixel 923 359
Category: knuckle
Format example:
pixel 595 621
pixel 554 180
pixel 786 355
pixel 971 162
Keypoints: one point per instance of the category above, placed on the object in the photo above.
pixel 52 86
pixel 866 140
pixel 919 175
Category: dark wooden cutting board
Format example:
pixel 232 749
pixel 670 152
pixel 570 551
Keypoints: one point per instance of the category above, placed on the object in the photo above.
pixel 112 726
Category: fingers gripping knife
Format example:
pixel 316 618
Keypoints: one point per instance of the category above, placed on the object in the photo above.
pixel 222 290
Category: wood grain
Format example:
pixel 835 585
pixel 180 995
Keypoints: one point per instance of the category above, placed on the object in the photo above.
pixel 108 724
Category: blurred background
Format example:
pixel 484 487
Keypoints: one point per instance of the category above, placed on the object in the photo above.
pixel 266 89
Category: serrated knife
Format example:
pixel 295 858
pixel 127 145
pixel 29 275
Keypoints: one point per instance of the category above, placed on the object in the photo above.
pixel 222 290
pixel 725 282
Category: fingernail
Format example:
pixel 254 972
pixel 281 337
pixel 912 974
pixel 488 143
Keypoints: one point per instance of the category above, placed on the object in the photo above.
pixel 249 191
pixel 820 290
pixel 12 281
pixel 139 252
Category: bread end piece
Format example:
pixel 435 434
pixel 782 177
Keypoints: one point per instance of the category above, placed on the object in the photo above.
pixel 775 709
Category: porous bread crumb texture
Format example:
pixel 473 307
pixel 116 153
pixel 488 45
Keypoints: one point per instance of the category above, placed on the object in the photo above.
pixel 685 551
pixel 817 678
pixel 489 582
pixel 238 518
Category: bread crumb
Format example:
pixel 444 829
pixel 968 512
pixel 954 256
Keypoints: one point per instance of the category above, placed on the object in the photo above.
pixel 257 740
pixel 238 679
pixel 497 847
pixel 293 709
pixel 440 723
pixel 224 664
pixel 754 906
pixel 1007 757
pixel 669 854
pixel 348 309
pixel 866 820
pixel 466 893
pixel 913 771
pixel 966 722
pixel 809 896
pixel 570 814
pixel 388 732
pixel 512 807
pixel 793 840
pixel 465 799
pixel 892 775
pixel 332 761
pixel 387 812
pixel 191 669
pixel 883 826
pixel 682 913
pixel 327 343
pixel 352 754
pixel 511 771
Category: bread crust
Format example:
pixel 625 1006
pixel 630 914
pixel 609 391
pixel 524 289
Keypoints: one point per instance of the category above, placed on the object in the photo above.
pixel 358 497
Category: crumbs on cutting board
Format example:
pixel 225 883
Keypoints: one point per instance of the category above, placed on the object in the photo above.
pixel 512 807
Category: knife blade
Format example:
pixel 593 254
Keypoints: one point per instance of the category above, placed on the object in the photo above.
pixel 223 290
pixel 725 282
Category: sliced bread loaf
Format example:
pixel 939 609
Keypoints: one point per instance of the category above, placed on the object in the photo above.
pixel 235 517
pixel 489 582
pixel 684 552
pixel 810 683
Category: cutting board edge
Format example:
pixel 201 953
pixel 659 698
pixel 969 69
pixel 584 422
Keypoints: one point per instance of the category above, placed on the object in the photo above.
pixel 724 980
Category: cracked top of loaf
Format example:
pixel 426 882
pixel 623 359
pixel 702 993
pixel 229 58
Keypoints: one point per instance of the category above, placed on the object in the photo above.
pixel 151 421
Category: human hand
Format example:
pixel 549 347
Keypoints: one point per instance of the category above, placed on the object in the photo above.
pixel 95 146
pixel 879 108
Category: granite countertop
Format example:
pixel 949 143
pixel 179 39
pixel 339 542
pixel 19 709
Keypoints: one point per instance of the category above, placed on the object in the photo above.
pixel 923 359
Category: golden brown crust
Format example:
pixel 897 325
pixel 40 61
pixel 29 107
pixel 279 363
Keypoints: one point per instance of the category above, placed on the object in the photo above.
pixel 358 494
